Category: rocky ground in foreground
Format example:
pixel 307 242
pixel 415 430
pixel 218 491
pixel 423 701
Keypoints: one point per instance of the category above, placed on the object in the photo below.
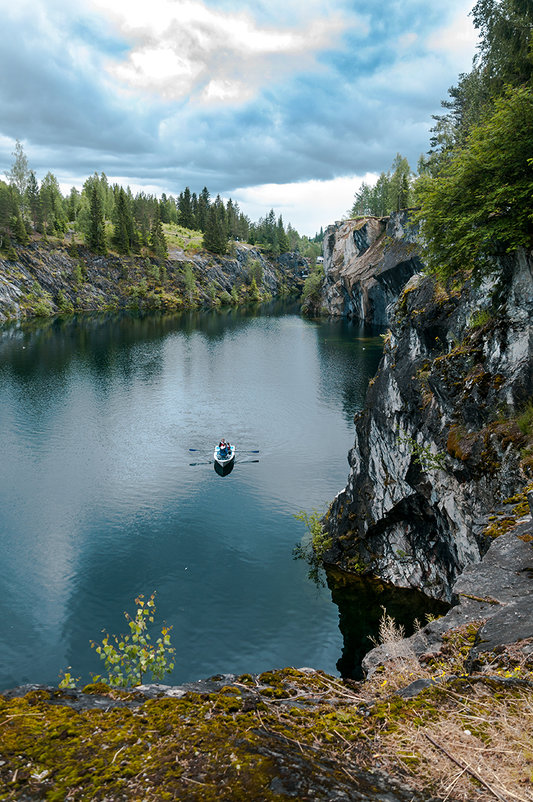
pixel 446 714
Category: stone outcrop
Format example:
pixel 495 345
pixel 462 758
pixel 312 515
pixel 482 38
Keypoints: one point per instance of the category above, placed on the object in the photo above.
pixel 437 446
pixel 494 596
pixel 366 265
pixel 48 279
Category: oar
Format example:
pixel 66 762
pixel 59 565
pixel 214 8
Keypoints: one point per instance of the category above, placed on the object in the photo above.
pixel 209 462
pixel 246 461
pixel 255 451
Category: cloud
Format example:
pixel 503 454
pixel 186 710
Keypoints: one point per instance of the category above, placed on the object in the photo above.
pixel 306 205
pixel 224 93
pixel 183 48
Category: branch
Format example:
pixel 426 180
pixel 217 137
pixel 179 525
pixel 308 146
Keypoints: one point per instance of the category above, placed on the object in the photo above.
pixel 466 768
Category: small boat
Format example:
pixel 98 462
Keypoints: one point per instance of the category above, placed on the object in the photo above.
pixel 224 458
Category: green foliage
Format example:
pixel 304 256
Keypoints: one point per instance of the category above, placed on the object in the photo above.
pixel 312 291
pixel 391 192
pixel 253 292
pixel 482 203
pixel 314 544
pixel 124 232
pixel 19 174
pixel 525 419
pixel 423 455
pixel 480 319
pixel 96 234
pixel 255 271
pixel 129 658
pixel 506 37
pixel 63 302
pixel 157 238
pixel 215 235
pixel 51 202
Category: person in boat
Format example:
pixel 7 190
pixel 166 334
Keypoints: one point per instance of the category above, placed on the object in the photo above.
pixel 222 446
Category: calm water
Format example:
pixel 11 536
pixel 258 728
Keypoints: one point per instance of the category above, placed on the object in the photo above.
pixel 98 502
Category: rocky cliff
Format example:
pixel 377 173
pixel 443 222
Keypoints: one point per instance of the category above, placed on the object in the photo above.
pixel 438 445
pixel 47 279
pixel 366 265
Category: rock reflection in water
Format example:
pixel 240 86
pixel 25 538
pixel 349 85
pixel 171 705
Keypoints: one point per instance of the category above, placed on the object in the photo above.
pixel 361 601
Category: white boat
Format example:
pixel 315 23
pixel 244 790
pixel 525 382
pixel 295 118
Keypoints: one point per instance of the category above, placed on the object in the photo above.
pixel 224 460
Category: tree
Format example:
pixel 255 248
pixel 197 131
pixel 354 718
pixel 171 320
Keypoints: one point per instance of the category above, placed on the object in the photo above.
pixel 504 58
pixel 185 212
pixel 19 229
pixel 482 204
pixel 72 204
pixel 399 184
pixel 203 209
pixel 283 240
pixel 96 233
pixel 157 237
pixel 33 202
pixel 506 39
pixel 123 222
pixel 129 658
pixel 215 235
pixel 54 218
pixel 19 174
pixel 6 214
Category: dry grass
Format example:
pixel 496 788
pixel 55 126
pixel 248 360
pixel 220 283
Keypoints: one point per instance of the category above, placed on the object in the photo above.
pixel 489 735
pixel 402 667
pixel 466 740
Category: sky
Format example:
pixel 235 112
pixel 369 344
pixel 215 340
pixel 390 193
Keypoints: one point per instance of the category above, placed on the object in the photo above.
pixel 285 104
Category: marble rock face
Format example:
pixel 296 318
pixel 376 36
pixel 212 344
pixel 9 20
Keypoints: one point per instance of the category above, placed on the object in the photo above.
pixel 366 265
pixel 437 448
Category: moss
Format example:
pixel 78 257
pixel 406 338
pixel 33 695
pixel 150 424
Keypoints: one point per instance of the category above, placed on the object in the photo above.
pixel 499 527
pixel 96 688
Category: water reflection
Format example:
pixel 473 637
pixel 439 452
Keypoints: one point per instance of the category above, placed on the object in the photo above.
pixel 99 501
pixel 361 602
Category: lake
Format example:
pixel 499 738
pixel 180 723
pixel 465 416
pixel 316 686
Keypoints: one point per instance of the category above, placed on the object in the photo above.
pixel 99 501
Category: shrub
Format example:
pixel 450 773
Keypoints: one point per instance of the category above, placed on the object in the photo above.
pixel 314 544
pixel 128 658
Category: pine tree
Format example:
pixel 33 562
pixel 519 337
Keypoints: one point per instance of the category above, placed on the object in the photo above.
pixel 33 202
pixel 54 216
pixel 72 204
pixel 96 235
pixel 203 209
pixel 19 229
pixel 6 214
pixel 121 236
pixel 185 212
pixel 157 237
pixel 283 240
pixel 215 236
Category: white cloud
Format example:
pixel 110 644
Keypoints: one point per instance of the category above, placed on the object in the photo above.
pixel 182 47
pixel 307 205
pixel 458 39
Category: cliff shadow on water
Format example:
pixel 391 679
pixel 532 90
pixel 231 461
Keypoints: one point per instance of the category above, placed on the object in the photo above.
pixel 362 602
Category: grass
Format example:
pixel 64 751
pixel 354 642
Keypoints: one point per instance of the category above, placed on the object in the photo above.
pixel 183 238
pixel 525 419
pixel 467 738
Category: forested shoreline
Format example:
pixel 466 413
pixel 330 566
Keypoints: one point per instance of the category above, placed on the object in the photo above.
pixel 108 217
